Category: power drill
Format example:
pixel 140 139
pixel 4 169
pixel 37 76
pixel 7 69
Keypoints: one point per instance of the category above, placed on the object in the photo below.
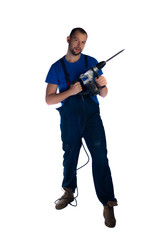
pixel 86 79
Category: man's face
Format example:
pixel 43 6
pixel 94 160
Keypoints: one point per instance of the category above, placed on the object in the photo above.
pixel 77 43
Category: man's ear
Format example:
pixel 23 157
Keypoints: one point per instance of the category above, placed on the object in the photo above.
pixel 68 39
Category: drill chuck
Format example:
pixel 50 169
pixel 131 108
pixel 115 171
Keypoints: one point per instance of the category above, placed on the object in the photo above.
pixel 100 65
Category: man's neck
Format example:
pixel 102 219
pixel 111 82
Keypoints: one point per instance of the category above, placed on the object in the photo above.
pixel 72 58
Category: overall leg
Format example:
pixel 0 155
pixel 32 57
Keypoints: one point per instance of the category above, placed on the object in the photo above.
pixel 95 139
pixel 70 134
pixel 71 138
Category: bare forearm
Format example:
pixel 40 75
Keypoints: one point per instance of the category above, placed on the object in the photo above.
pixel 101 81
pixel 57 97
pixel 52 97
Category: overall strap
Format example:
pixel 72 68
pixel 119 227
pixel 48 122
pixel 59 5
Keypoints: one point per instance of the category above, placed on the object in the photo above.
pixel 86 61
pixel 65 72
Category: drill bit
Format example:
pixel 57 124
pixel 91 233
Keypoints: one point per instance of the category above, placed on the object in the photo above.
pixel 115 55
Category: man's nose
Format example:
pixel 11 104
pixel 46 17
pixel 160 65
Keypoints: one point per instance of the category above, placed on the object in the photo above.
pixel 79 44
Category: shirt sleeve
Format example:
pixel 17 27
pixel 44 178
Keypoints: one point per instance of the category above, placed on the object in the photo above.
pixel 52 76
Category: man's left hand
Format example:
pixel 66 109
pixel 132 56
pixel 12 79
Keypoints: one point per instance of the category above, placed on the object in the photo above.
pixel 101 81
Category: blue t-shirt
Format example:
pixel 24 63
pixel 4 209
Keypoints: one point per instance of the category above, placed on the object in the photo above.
pixel 56 74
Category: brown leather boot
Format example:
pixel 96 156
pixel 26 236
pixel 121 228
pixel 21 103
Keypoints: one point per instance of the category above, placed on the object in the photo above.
pixel 108 213
pixel 65 199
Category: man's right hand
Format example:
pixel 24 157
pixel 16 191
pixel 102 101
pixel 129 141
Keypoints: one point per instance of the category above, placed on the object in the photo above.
pixel 75 88
pixel 52 97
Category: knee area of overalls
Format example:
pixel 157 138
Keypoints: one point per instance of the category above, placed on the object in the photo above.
pixel 96 144
pixel 67 147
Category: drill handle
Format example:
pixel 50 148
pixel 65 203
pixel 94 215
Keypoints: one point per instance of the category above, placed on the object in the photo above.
pixel 99 66
pixel 95 73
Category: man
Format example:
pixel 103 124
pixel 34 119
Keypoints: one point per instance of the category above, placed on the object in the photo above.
pixel 80 118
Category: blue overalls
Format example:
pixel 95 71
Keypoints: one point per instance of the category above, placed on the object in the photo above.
pixel 80 118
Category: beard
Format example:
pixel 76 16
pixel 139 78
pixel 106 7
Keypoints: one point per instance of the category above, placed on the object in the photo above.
pixel 75 53
pixel 72 50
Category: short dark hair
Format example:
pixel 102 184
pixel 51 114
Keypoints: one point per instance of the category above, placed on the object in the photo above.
pixel 81 30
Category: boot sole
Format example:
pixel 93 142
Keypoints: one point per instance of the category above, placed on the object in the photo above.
pixel 110 226
pixel 63 205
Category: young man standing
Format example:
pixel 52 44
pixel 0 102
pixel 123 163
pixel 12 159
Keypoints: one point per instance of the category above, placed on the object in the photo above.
pixel 80 118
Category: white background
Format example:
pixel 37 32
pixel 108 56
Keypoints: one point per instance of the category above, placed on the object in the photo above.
pixel 33 36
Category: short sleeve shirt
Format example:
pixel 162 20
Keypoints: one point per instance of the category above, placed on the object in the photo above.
pixel 56 74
